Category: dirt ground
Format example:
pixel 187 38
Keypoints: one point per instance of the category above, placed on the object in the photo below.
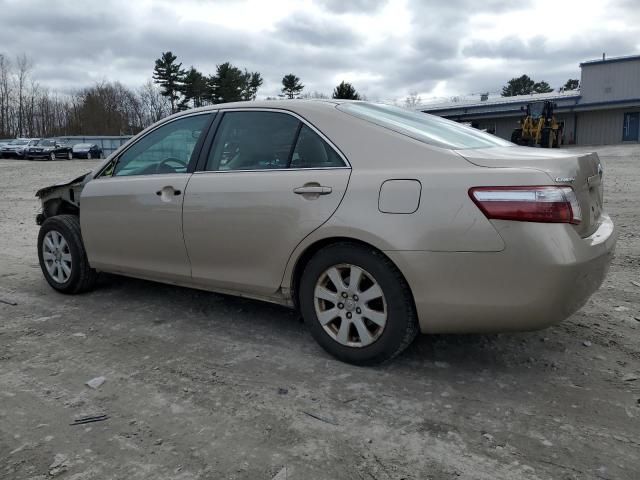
pixel 205 386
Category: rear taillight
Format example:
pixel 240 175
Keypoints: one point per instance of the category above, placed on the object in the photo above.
pixel 549 204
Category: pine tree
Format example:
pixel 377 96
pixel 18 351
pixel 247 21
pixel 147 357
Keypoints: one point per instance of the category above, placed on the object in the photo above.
pixel 518 86
pixel 345 91
pixel 542 87
pixel 169 75
pixel 572 84
pixel 253 81
pixel 194 89
pixel 291 85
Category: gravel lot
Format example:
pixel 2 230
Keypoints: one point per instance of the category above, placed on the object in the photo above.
pixel 204 386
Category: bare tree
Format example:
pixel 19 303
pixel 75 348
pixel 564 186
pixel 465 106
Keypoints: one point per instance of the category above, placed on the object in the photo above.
pixel 23 68
pixel 6 92
pixel 412 100
pixel 154 105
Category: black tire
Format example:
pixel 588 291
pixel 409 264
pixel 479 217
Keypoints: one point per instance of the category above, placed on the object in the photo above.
pixel 69 156
pixel 88 155
pixel 401 325
pixel 82 277
pixel 516 136
pixel 52 156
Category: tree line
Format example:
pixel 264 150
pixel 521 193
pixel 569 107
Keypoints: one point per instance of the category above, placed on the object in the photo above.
pixel 189 88
pixel 524 85
pixel 29 109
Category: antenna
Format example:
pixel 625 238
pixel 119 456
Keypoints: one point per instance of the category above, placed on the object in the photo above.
pixel 603 56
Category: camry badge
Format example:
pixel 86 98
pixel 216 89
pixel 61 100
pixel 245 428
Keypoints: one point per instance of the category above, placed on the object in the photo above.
pixel 565 179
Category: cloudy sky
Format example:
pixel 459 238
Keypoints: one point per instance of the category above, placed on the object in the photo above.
pixel 386 48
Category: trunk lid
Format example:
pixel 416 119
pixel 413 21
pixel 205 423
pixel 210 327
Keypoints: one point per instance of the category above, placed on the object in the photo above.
pixel 579 170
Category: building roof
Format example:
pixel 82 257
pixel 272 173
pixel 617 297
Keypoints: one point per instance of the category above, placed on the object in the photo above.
pixel 498 101
pixel 626 58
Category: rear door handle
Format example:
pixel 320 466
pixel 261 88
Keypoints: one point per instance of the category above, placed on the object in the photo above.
pixel 313 189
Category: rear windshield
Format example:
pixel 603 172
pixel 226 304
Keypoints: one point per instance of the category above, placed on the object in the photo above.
pixel 424 127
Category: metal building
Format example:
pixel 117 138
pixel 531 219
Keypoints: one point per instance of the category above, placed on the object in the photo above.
pixel 605 110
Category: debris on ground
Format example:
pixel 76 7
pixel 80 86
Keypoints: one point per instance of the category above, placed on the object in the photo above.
pixel 630 377
pixel 96 382
pixel 282 391
pixel 621 308
pixel 8 302
pixel 283 474
pixel 637 284
pixel 587 343
pixel 488 437
pixel 59 465
pixel 90 419
pixel 321 418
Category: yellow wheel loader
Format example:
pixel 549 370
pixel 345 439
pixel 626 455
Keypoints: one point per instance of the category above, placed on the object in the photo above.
pixel 538 126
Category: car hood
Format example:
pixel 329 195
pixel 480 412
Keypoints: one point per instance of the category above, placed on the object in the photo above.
pixel 81 180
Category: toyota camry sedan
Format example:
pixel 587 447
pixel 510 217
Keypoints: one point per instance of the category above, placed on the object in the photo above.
pixel 375 222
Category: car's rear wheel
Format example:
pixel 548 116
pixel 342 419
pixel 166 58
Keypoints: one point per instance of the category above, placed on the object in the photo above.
pixel 69 156
pixel 62 256
pixel 52 156
pixel 357 304
pixel 88 155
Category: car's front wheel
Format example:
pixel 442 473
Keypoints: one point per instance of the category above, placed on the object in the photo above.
pixel 89 156
pixel 69 156
pixel 62 256
pixel 357 304
pixel 52 156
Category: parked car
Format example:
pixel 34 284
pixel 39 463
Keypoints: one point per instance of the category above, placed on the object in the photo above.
pixel 87 150
pixel 50 149
pixel 374 221
pixel 17 148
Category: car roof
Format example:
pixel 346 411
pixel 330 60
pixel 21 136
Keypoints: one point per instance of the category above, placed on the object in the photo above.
pixel 296 105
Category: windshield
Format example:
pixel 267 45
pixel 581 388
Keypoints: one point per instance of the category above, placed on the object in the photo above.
pixel 424 127
pixel 47 143
pixel 19 142
pixel 82 145
pixel 536 109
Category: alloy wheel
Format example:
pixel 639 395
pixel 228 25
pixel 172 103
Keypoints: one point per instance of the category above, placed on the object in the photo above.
pixel 57 256
pixel 350 305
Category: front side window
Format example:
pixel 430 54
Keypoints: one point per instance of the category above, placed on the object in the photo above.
pixel 253 141
pixel 167 149
pixel 426 128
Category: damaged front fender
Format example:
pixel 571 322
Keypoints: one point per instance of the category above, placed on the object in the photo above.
pixel 61 198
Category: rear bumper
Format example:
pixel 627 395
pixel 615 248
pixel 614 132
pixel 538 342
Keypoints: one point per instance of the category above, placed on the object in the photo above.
pixel 545 274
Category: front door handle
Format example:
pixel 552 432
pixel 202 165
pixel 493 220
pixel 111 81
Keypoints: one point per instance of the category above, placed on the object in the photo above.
pixel 168 191
pixel 313 189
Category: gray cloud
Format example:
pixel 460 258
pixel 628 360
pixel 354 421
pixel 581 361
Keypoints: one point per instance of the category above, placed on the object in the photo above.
pixel 119 40
pixel 352 6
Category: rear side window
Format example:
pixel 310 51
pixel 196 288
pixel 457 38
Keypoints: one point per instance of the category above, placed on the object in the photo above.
pixel 253 141
pixel 313 152
pixel 426 128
